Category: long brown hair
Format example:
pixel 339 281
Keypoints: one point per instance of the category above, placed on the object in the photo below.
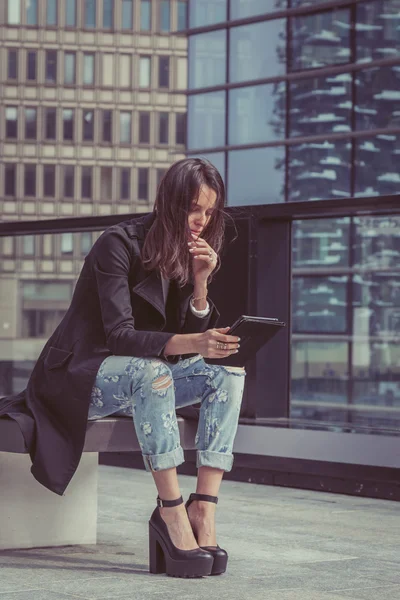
pixel 165 247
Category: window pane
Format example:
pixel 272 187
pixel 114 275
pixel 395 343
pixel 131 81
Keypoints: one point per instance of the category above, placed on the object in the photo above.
pixel 268 40
pixel 90 14
pixel 31 12
pixel 320 39
pixel 125 70
pixel 207 59
pixel 321 243
pixel 107 125
pixel 143 184
pixel 50 117
pixel 106 184
pixel 67 243
pixel 51 66
pixel 376 304
pixel 207 12
pixel 108 14
pixel 163 128
pixel 28 245
pixel 30 180
pixel 70 13
pixel 30 123
pixel 145 15
pixel 10 179
pixel 377 245
pixel 320 105
pixel 319 170
pixel 69 68
pixel 181 73
pixel 377 165
pixel 165 15
pixel 68 124
pixel 49 180
pixel 378 30
pixel 257 114
pixel 88 126
pixel 125 184
pixel 206 120
pixel 87 176
pixel 86 242
pixel 69 181
pixel 160 175
pixel 144 128
pixel 88 69
pixel 12 64
pixel 182 14
pixel 163 71
pixel 240 9
pixel 51 14
pixel 31 71
pixel 144 71
pixel 127 14
pixel 377 98
pixel 11 121
pixel 180 128
pixel 14 12
pixel 125 120
pixel 319 304
pixel 108 69
pixel 264 168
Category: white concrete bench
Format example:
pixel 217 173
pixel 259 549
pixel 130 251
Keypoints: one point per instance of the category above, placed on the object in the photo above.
pixel 31 516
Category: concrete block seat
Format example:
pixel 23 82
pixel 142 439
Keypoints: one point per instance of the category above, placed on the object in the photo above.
pixel 31 516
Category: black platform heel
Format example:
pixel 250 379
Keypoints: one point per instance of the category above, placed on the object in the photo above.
pixel 165 557
pixel 220 556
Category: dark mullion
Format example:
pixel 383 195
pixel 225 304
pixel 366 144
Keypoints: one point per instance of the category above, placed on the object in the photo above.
pixel 288 103
pixel 350 317
pixel 227 77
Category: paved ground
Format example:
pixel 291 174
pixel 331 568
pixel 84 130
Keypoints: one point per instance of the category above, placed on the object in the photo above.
pixel 284 544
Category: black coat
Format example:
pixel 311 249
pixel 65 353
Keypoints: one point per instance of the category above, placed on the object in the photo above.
pixel 117 309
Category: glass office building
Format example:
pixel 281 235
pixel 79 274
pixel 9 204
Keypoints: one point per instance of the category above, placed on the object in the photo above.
pixel 297 101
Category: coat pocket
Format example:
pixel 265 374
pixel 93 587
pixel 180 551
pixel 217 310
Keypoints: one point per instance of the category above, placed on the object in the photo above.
pixel 56 357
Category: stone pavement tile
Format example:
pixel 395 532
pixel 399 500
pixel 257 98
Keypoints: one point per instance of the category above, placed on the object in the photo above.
pixel 384 572
pixel 35 595
pixel 385 592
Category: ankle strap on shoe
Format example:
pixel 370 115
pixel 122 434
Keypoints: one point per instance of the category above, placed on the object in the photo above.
pixel 167 503
pixel 203 497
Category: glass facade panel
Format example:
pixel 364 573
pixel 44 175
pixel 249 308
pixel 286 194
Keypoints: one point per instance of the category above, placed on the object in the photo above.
pixel 107 125
pixel 90 14
pixel 49 181
pixel 320 39
pixel 106 176
pixel 28 247
pixel 144 71
pixel 165 16
pixel 70 13
pixel 163 72
pixel 69 181
pixel 50 123
pixel 320 105
pixel 13 12
pixel 108 14
pixel 51 66
pixel 30 123
pixel 51 13
pixel 319 304
pixel 378 30
pixel 207 59
pixel 10 173
pixel 207 12
pixel 66 243
pixel 127 14
pixel 88 125
pixel 180 128
pixel 68 124
pixel 31 65
pixel 266 41
pixel 12 64
pixel 377 243
pixel 264 182
pixel 163 127
pixel 125 127
pixel 87 182
pixel 30 180
pixel 318 243
pixel 376 298
pixel 125 70
pixel 88 69
pixel 125 184
pixel 182 14
pixel 143 184
pixel 31 11
pixel 206 123
pixel 86 242
pixel 240 9
pixel 145 15
pixel 319 170
pixel 144 127
pixel 377 97
pixel 108 69
pixel 257 113
pixel 376 165
pixel 11 122
pixel 69 68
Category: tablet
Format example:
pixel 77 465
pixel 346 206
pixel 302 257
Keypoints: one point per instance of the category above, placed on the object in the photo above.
pixel 254 333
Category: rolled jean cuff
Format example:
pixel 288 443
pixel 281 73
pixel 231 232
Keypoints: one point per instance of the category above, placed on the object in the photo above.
pixel 217 460
pixel 167 460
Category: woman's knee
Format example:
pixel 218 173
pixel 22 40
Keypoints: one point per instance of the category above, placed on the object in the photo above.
pixel 158 375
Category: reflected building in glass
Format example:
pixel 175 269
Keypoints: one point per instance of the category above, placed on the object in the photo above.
pixel 298 100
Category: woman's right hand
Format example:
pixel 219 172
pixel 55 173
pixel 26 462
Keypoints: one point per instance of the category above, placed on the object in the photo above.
pixel 206 343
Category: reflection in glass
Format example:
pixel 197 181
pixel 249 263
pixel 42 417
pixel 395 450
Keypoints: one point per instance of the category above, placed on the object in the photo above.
pixel 377 97
pixel 319 170
pixel 215 158
pixel 69 68
pixel 320 105
pixel 70 13
pixel 377 30
pixel 31 11
pixel 319 304
pixel 206 120
pixel 207 59
pixel 207 12
pixel 377 242
pixel 256 176
pixel 51 14
pixel 321 242
pixel 145 15
pixel 257 113
pixel 266 41
pixel 127 14
pixel 90 14
pixel 320 39
pixel 13 12
pixel 125 127
pixel 88 69
pixel 240 9
pixel 376 165
pixel 108 14
pixel 319 380
pixel 376 302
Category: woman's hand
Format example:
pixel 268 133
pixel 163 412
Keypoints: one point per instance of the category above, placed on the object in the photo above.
pixel 214 343
pixel 204 259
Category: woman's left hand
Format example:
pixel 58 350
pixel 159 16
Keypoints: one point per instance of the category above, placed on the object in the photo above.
pixel 204 259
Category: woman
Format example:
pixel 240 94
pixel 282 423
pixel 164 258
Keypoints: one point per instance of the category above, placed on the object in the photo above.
pixel 132 343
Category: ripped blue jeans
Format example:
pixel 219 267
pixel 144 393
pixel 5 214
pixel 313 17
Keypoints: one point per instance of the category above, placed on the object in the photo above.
pixel 150 389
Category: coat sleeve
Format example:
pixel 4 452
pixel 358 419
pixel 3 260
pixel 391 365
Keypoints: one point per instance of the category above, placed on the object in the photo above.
pixel 111 266
pixel 194 324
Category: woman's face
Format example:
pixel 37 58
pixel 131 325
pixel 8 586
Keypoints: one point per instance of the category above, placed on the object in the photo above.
pixel 201 212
